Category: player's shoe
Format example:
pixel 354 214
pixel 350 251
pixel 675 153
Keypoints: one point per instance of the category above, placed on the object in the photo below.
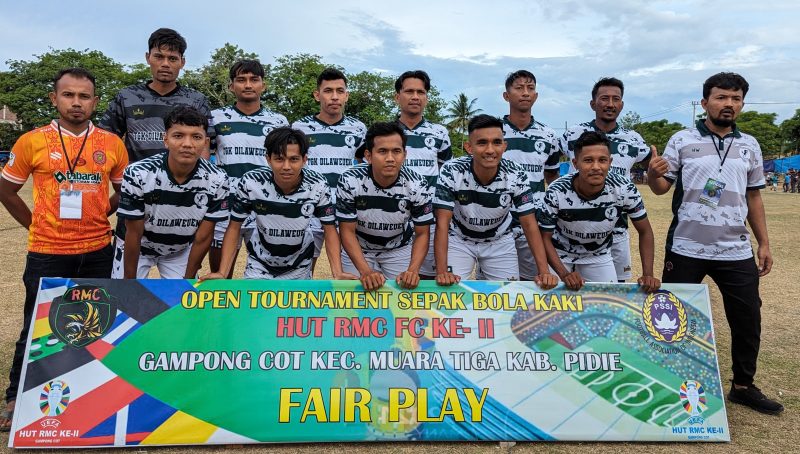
pixel 755 399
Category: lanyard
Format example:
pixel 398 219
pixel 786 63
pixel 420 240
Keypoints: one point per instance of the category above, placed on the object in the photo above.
pixel 71 165
pixel 718 148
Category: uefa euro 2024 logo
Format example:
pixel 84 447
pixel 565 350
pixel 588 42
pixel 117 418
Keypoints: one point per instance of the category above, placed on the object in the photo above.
pixel 693 398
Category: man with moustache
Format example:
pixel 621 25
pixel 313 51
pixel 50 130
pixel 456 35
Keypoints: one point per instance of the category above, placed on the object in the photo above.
pixel 718 175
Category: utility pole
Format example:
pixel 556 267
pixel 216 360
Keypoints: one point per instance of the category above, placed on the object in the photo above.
pixel 694 116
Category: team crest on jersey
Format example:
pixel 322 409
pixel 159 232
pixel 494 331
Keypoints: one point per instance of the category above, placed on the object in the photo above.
pixel 307 209
pixel 462 198
pixel 430 142
pixel 693 398
pixel 402 205
pixel 201 199
pixel 82 315
pixel 99 157
pixel 622 148
pixel 224 128
pixel 664 317
pixel 54 398
pixel 138 112
pixel 539 146
pixel 505 200
pixel 744 153
pixel 611 213
pixel 361 203
pixel 266 129
pixel 350 141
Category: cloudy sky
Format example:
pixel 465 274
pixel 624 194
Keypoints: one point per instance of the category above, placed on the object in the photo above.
pixel 662 50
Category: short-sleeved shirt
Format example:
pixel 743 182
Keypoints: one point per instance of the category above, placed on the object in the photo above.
pixel 482 213
pixel 698 230
pixel 383 215
pixel 332 148
pixel 239 139
pixel 582 228
pixel 172 211
pixel 282 241
pixel 427 148
pixel 40 153
pixel 137 113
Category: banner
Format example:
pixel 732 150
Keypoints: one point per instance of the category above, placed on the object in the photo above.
pixel 167 362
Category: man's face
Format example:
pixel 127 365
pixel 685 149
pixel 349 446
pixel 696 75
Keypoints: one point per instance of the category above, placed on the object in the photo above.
pixel 74 99
pixel 386 156
pixel 247 87
pixel 332 96
pixel 607 104
pixel 592 164
pixel 412 97
pixel 486 145
pixel 521 95
pixel 165 64
pixel 185 144
pixel 287 169
pixel 723 106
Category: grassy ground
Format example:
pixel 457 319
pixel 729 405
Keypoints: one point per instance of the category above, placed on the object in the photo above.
pixel 751 431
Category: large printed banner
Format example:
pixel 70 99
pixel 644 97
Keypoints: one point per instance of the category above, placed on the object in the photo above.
pixel 160 362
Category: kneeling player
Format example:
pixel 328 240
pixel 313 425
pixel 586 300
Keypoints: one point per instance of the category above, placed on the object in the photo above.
pixel 283 197
pixel 376 203
pixel 579 213
pixel 170 203
pixel 479 193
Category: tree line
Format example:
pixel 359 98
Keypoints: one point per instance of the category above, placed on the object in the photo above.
pixel 291 79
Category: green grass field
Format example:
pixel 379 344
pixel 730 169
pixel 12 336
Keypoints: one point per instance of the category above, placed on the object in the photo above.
pixel 750 431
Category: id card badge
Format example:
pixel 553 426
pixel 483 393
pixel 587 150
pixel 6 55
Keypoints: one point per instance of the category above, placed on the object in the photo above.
pixel 71 204
pixel 712 192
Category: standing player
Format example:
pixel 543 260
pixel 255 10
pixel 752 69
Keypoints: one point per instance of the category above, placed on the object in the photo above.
pixel 240 130
pixel 532 146
pixel 718 173
pixel 333 137
pixel 283 197
pixel 479 193
pixel 427 144
pixel 627 148
pixel 376 204
pixel 579 213
pixel 170 203
pixel 73 163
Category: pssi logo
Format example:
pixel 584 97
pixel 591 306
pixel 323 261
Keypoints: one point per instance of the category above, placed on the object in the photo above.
pixel 665 317
pixel 82 315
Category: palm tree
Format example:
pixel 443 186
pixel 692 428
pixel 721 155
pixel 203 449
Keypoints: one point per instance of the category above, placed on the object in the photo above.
pixel 459 112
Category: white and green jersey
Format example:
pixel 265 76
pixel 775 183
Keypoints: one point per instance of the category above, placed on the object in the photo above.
pixel 582 228
pixel 172 211
pixel 534 148
pixel 282 240
pixel 702 230
pixel 240 138
pixel 427 148
pixel 332 148
pixel 482 213
pixel 383 215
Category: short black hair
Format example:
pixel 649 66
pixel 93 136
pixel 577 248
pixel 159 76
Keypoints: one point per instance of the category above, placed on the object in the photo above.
pixel 246 66
pixel 279 138
pixel 416 74
pixel 166 37
pixel 187 116
pixel 78 73
pixel 382 129
pixel 521 74
pixel 484 121
pixel 725 81
pixel 608 82
pixel 330 74
pixel 589 138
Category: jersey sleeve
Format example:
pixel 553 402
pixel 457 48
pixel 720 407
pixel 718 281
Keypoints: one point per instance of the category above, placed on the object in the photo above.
pixel 633 204
pixel 20 161
pixel 672 155
pixel 564 145
pixel 445 195
pixel 113 120
pixel 422 204
pixel 522 194
pixel 554 157
pixel 643 150
pixel 445 152
pixel 131 199
pixel 205 110
pixel 755 171
pixel 121 161
pixel 325 211
pixel 547 215
pixel 345 198
pixel 240 203
pixel 218 201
